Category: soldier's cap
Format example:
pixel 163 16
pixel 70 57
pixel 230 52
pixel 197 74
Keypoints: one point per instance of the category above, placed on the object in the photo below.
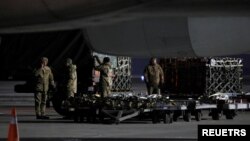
pixel 44 59
pixel 69 61
pixel 106 59
pixel 153 58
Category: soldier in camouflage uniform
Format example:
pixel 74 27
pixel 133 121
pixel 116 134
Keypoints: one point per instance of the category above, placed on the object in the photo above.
pixel 105 83
pixel 154 76
pixel 70 78
pixel 43 78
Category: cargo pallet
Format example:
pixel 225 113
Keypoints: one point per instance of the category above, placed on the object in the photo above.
pixel 162 112
pixel 188 77
pixel 204 76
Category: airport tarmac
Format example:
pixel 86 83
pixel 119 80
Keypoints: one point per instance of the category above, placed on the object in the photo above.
pixel 59 129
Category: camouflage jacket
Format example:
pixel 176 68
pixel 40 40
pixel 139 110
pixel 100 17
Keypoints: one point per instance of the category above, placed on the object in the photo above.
pixel 70 78
pixel 105 74
pixel 43 78
pixel 153 75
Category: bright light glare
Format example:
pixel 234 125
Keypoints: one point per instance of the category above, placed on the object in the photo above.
pixel 142 78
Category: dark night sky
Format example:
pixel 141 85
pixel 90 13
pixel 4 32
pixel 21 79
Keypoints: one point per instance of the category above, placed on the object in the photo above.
pixel 138 65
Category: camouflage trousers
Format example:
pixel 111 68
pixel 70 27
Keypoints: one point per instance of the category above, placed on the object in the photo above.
pixel 71 88
pixel 153 90
pixel 105 91
pixel 40 103
pixel 70 93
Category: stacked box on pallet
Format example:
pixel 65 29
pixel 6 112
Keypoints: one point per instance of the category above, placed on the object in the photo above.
pixel 224 75
pixel 122 79
pixel 198 76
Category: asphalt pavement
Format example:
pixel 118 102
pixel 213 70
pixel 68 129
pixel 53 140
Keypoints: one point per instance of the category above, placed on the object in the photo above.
pixel 58 129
